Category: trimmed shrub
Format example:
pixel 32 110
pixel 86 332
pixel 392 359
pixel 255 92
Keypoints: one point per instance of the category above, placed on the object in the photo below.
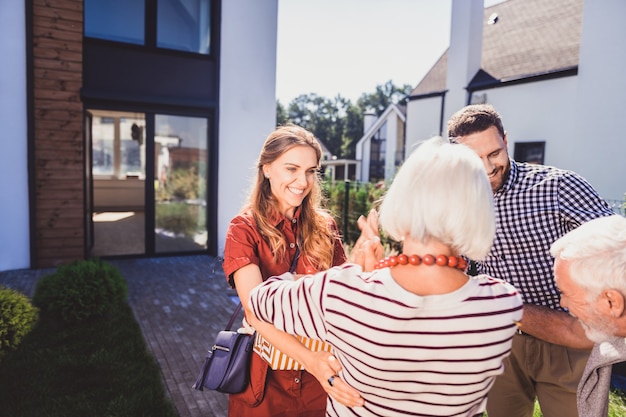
pixel 81 290
pixel 17 317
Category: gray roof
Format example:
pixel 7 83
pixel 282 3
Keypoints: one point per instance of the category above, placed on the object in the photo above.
pixel 530 38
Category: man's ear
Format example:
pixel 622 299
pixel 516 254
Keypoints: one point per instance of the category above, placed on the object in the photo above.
pixel 615 302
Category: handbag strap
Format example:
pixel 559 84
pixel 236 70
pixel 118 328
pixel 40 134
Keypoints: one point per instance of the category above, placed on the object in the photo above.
pixel 292 268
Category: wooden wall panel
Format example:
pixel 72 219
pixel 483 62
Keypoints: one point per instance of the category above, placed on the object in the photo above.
pixel 57 36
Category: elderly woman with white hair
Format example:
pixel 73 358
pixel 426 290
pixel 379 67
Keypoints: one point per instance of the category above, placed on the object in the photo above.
pixel 415 336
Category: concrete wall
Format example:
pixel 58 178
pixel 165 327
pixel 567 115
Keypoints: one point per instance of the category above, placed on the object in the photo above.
pixel 247 99
pixel 14 222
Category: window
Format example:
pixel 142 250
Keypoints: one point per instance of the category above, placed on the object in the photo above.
pixel 118 149
pixel 117 20
pixel 531 152
pixel 182 25
pixel 378 151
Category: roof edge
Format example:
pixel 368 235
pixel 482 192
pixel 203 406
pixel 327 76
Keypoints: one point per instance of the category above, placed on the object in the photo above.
pixel 548 75
pixel 427 95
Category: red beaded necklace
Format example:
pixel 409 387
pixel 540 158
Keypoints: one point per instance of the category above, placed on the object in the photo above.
pixel 439 260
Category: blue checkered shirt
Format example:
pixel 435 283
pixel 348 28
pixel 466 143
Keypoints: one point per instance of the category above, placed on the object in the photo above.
pixel 537 205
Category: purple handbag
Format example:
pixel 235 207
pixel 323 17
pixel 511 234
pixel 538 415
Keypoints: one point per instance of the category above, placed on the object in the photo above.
pixel 226 367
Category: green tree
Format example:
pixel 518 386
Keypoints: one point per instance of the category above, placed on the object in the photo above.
pixel 353 131
pixel 384 96
pixel 321 116
pixel 338 122
pixel 281 114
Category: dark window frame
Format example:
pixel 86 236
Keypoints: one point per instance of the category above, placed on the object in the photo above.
pixel 532 152
pixel 150 32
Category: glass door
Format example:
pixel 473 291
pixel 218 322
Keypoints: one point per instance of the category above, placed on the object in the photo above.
pixel 118 178
pixel 148 185
pixel 180 186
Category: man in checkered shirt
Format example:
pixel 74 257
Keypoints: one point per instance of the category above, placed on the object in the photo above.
pixel 535 205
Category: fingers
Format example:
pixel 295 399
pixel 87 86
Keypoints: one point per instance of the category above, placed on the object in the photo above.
pixel 326 371
pixel 343 393
pixel 367 253
pixel 368 226
pixel 334 364
pixel 368 249
pixel 372 220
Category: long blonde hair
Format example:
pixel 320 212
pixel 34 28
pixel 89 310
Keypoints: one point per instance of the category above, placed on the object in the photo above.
pixel 316 238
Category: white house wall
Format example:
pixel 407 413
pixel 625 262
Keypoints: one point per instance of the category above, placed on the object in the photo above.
pixel 602 105
pixel 14 205
pixel 363 174
pixel 555 111
pixel 247 112
pixel 579 117
pixel 539 111
pixel 422 121
pixel 391 134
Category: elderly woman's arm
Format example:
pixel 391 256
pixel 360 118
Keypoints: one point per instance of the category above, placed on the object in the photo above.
pixel 320 364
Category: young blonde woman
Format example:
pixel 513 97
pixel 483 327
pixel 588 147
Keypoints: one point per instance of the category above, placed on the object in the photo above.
pixel 283 228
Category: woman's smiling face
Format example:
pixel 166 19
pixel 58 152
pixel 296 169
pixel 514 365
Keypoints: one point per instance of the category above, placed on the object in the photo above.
pixel 291 177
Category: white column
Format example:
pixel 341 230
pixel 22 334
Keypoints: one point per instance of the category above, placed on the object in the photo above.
pixel 247 108
pixel 465 52
pixel 14 206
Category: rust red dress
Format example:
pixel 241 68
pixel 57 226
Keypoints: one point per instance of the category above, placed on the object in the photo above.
pixel 273 393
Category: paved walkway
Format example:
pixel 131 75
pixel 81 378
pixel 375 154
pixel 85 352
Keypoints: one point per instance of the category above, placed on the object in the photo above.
pixel 180 303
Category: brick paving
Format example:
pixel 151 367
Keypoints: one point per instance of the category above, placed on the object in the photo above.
pixel 180 304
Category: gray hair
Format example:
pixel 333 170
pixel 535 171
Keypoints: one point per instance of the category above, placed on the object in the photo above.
pixel 441 192
pixel 596 254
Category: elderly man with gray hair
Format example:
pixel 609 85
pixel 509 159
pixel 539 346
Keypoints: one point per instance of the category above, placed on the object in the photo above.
pixel 590 271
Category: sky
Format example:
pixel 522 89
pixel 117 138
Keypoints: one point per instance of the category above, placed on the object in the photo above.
pixel 348 47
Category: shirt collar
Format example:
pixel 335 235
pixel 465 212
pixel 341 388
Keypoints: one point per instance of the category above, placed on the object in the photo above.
pixel 277 218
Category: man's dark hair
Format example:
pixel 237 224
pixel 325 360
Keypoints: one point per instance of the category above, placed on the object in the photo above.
pixel 472 119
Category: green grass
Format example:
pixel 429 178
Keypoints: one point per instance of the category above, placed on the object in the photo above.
pixel 97 368
pixel 617 406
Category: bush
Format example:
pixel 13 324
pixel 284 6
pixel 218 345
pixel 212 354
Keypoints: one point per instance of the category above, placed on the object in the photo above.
pixel 362 197
pixel 177 218
pixel 81 290
pixel 17 317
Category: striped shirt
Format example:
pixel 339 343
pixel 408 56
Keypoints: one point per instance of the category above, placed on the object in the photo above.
pixel 537 205
pixel 406 354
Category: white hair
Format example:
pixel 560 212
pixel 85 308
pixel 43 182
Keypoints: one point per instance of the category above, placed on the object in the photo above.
pixel 596 254
pixel 441 192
